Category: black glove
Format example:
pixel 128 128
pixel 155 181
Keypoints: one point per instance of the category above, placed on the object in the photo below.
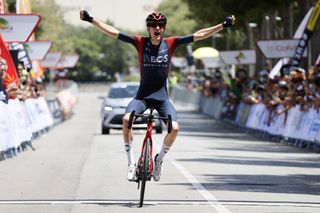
pixel 227 22
pixel 87 17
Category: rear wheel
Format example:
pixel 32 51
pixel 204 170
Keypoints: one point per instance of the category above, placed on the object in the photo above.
pixel 145 170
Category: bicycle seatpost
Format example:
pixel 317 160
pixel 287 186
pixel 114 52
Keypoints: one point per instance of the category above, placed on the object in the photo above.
pixel 131 119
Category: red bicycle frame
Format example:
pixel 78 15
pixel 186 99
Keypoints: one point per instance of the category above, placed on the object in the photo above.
pixel 148 136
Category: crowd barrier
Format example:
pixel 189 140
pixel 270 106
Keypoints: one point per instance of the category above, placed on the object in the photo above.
pixel 23 121
pixel 302 128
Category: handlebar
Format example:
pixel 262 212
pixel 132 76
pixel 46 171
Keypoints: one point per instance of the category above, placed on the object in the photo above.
pixel 150 117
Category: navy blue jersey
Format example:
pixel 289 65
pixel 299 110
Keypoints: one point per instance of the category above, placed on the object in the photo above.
pixel 154 63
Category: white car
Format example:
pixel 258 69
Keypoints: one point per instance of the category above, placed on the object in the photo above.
pixel 114 106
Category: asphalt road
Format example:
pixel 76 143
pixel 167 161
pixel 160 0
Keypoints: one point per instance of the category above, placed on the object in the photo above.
pixel 213 167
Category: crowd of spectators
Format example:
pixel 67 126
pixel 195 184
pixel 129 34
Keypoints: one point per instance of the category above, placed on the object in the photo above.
pixel 29 86
pixel 296 87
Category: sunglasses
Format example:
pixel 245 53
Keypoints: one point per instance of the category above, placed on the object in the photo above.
pixel 155 25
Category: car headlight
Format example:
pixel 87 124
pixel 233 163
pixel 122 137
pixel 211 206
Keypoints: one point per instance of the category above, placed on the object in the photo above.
pixel 107 108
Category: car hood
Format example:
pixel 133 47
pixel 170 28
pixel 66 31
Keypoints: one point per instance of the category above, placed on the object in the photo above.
pixel 117 102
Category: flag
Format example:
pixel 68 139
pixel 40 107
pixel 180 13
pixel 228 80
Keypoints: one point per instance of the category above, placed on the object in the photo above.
pixel 303 42
pixel 276 69
pixel 23 7
pixel 11 74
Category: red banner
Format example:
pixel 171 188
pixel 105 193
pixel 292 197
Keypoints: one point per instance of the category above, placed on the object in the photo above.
pixel 11 74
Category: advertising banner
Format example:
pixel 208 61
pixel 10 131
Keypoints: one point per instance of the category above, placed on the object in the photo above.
pixel 68 61
pixel 18 28
pixel 51 60
pixel 37 50
pixel 238 57
pixel 279 48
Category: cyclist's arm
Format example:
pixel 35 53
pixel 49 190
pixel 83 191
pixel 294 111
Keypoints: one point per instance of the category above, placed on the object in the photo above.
pixel 210 31
pixel 207 32
pixel 105 28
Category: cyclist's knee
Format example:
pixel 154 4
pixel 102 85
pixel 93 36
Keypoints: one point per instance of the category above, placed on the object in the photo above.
pixel 125 120
pixel 175 127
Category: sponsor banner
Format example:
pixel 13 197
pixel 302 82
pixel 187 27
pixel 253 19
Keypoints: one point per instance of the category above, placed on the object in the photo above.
pixel 51 60
pixel 311 25
pixel 5 131
pixel 68 61
pixel 37 50
pixel 279 48
pixel 18 28
pixel 238 57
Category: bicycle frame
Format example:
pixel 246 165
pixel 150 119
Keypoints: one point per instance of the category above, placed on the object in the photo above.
pixel 148 136
pixel 144 170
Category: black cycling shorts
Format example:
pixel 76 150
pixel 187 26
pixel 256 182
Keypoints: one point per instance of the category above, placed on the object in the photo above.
pixel 164 108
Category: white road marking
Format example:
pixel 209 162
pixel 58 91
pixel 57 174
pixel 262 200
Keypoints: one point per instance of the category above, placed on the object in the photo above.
pixel 212 201
pixel 156 202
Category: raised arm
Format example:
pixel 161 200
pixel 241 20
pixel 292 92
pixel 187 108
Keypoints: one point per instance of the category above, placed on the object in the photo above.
pixel 210 31
pixel 105 28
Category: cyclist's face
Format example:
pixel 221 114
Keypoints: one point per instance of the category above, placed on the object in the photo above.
pixel 156 31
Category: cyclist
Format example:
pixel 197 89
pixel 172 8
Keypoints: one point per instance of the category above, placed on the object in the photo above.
pixel 154 53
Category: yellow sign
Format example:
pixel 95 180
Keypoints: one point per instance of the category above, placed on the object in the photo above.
pixel 314 17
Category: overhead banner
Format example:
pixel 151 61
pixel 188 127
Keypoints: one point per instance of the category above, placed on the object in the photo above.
pixel 279 48
pixel 303 43
pixel 18 28
pixel 68 61
pixel 37 50
pixel 51 60
pixel 11 75
pixel 238 57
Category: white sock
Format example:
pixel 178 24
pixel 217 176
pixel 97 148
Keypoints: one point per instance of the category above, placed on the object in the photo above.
pixel 129 151
pixel 164 150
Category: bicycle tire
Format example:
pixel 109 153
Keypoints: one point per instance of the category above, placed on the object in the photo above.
pixel 145 170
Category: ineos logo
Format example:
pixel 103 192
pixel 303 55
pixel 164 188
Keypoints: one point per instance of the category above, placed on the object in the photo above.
pixel 155 59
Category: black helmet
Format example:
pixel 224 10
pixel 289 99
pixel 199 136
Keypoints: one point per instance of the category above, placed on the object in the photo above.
pixel 156 18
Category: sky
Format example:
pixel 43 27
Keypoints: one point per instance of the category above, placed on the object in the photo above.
pixel 127 14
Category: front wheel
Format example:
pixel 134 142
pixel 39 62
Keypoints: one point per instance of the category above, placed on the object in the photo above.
pixel 145 170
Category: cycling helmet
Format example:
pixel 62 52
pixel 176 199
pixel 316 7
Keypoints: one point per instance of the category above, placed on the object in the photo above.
pixel 156 18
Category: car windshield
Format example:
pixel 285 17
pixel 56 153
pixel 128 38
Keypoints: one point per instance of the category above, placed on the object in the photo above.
pixel 128 91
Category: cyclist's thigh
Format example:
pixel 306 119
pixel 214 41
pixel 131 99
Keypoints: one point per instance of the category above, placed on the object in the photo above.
pixel 165 108
pixel 139 106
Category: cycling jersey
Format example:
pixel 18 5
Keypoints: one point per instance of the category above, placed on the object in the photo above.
pixel 154 63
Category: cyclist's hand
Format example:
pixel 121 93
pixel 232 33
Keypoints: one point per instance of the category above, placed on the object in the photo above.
pixel 229 21
pixel 84 16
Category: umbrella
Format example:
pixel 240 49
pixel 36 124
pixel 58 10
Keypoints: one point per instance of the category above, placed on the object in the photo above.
pixel 205 52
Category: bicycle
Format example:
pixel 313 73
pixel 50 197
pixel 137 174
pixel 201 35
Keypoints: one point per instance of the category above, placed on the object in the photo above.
pixel 144 170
